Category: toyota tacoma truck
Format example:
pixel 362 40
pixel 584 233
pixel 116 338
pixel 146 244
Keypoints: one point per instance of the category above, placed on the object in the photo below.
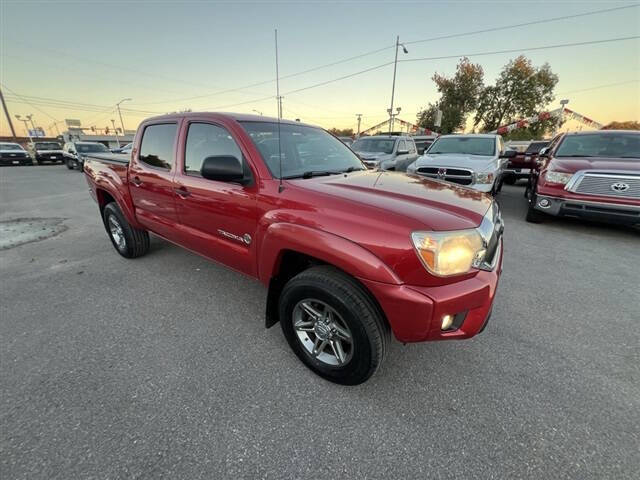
pixel 473 160
pixel 348 255
pixel 591 175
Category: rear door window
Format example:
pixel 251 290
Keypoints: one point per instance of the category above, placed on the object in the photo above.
pixel 157 145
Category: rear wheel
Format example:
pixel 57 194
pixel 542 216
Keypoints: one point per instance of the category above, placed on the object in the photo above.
pixel 333 325
pixel 130 242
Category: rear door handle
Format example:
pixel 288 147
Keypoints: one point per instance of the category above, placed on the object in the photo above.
pixel 136 181
pixel 183 192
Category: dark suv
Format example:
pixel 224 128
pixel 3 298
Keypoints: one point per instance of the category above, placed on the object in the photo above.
pixel 46 152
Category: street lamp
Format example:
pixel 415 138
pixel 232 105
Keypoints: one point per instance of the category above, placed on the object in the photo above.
pixel 259 113
pixel 120 114
pixel 115 130
pixel 393 87
pixel 26 125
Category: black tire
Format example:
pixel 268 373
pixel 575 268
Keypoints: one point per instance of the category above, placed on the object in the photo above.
pixel 80 166
pixel 135 241
pixel 533 215
pixel 510 180
pixel 69 163
pixel 369 330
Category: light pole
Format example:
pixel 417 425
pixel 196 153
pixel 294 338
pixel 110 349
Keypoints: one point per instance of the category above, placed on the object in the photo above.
pixel 26 126
pixel 120 113
pixel 259 113
pixel 393 86
pixel 359 115
pixel 115 130
pixel 392 116
pixel 563 103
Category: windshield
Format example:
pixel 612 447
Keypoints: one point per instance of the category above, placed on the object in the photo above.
pixel 535 147
pixel 90 148
pixel 47 146
pixel 10 146
pixel 371 145
pixel 464 146
pixel 304 149
pixel 618 145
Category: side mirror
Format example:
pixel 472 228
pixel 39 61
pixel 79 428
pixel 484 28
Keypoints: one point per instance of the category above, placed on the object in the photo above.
pixel 402 152
pixel 509 154
pixel 224 168
pixel 544 152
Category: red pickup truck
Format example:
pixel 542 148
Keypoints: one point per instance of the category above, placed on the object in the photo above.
pixel 592 175
pixel 348 255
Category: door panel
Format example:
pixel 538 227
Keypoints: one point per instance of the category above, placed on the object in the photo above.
pixel 217 219
pixel 151 180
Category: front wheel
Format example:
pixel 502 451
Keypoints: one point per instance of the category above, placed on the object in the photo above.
pixel 333 326
pixel 533 215
pixel 69 163
pixel 130 242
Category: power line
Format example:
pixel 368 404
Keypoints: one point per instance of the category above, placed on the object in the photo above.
pixel 518 25
pixel 523 49
pixel 28 103
pixel 495 52
pixel 600 86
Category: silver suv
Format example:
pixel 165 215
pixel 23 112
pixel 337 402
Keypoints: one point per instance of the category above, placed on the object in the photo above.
pixel 386 152
pixel 476 161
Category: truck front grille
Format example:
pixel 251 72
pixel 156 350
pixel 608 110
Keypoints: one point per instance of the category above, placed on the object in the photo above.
pixel 609 185
pixel 454 175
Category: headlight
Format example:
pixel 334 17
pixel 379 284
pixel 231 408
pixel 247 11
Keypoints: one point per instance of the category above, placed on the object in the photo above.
pixel 484 178
pixel 558 177
pixel 449 253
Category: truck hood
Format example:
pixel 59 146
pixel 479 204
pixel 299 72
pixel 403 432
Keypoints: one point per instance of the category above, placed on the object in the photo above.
pixel 472 162
pixel 426 204
pixel 574 164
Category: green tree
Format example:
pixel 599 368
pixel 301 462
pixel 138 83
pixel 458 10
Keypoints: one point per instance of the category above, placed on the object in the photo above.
pixel 458 97
pixel 520 91
pixel 342 132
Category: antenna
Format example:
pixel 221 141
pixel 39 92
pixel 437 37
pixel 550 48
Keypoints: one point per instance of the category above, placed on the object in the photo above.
pixel 280 186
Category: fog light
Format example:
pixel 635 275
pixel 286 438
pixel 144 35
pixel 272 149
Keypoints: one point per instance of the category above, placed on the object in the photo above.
pixel 447 321
pixel 544 203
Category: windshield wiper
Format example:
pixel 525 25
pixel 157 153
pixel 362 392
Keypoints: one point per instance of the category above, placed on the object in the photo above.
pixel 353 169
pixel 313 173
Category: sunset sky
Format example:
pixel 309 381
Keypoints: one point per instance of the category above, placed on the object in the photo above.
pixel 76 59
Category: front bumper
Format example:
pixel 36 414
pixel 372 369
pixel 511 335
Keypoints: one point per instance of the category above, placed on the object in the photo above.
pixel 16 161
pixel 591 210
pixel 517 172
pixel 415 313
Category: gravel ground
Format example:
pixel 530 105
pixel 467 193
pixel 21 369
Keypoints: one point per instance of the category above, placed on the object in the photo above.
pixel 161 366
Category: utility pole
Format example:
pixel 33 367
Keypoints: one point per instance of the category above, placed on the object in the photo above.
pixel 115 130
pixel 280 97
pixel 393 86
pixel 6 112
pixel 359 115
pixel 120 113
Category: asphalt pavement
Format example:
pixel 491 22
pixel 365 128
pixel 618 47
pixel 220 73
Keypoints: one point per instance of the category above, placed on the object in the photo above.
pixel 160 367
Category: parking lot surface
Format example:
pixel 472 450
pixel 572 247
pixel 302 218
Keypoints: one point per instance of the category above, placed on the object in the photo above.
pixel 161 366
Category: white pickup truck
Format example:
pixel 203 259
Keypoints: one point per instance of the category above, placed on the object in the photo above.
pixel 475 160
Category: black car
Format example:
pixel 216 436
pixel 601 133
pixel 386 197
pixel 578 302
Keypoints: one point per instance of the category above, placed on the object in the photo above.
pixel 46 152
pixel 14 154
pixel 74 153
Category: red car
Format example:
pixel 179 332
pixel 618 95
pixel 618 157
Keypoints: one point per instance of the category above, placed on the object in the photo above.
pixel 593 175
pixel 521 165
pixel 348 255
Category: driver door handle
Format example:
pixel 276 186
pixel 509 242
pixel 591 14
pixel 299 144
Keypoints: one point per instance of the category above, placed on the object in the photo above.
pixel 183 192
